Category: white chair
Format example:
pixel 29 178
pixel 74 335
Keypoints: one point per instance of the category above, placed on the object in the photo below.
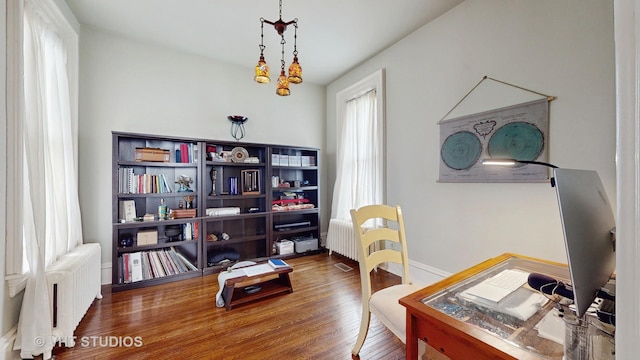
pixel 373 251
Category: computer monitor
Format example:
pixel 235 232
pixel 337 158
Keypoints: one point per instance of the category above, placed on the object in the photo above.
pixel 587 223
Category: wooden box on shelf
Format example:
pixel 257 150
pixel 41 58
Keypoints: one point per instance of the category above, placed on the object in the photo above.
pixel 147 237
pixel 250 182
pixel 152 154
pixel 183 213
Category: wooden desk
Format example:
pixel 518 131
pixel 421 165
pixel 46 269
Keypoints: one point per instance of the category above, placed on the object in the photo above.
pixel 272 283
pixel 480 335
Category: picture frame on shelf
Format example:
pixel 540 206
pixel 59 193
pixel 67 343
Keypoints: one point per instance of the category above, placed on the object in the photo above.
pixel 250 181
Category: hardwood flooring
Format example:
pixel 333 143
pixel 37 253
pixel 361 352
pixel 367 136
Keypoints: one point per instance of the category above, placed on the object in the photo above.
pixel 319 320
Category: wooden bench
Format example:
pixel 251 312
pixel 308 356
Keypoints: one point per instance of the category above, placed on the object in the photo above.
pixel 271 283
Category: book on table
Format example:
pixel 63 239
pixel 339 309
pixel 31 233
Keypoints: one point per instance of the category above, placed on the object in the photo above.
pixel 278 263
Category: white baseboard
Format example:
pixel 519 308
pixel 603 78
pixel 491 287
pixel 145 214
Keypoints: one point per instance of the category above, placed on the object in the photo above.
pixel 105 275
pixel 424 275
pixel 6 345
pixel 419 273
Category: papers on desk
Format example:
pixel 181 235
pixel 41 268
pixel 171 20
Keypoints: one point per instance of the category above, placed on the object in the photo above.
pixel 256 269
pixel 552 327
pixel 500 285
pixel 520 303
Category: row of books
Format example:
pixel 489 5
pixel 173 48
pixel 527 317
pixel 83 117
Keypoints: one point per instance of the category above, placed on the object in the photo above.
pixel 146 265
pixel 130 183
pixel 186 153
pixel 190 231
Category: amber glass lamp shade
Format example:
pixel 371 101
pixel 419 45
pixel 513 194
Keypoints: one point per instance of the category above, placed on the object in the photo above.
pixel 262 71
pixel 283 85
pixel 295 72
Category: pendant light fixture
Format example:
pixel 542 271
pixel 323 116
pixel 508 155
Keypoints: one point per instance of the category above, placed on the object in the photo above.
pixel 295 70
pixel 262 69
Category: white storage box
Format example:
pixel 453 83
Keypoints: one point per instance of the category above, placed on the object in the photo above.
pixel 305 244
pixel 284 247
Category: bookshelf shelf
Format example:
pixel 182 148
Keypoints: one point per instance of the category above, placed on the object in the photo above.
pixel 156 223
pixel 157 164
pixel 238 216
pixel 232 164
pixel 223 243
pixel 154 246
pixel 247 187
pixel 158 195
pixel 156 281
pixel 235 197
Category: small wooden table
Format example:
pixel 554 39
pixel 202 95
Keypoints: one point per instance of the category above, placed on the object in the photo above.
pixel 480 335
pixel 271 283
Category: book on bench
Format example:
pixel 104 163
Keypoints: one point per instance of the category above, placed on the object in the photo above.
pixel 277 263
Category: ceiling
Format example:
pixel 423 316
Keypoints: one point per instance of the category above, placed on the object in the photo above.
pixel 334 36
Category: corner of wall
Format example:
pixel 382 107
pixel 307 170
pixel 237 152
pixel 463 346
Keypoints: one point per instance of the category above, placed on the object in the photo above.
pixel 105 274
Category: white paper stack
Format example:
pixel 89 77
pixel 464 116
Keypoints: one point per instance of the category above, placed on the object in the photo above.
pixel 221 211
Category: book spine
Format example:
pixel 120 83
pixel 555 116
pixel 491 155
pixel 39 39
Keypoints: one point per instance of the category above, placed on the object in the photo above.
pixel 163 261
pixel 184 153
pixel 126 269
pixel 146 275
pixel 186 262
pixel 174 268
pixel 120 270
pixel 176 261
pixel 152 266
pixel 158 265
pixel 130 181
pixel 136 267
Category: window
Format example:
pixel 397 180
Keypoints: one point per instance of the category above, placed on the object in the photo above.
pixel 360 155
pixel 42 200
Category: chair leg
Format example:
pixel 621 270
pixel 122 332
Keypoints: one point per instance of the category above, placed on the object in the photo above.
pixel 364 329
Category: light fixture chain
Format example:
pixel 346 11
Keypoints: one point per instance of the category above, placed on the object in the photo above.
pixel 295 37
pixel 282 42
pixel 262 36
pixel 280 9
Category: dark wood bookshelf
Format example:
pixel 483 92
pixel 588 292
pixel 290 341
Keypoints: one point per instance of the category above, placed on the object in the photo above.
pixel 252 233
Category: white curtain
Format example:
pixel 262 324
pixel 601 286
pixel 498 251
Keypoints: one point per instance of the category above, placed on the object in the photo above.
pixel 360 158
pixel 51 212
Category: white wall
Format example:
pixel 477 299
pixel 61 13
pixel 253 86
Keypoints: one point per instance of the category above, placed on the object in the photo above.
pixel 138 87
pixel 560 48
pixel 10 306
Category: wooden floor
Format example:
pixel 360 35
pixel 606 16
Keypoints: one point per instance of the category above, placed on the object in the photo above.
pixel 319 320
